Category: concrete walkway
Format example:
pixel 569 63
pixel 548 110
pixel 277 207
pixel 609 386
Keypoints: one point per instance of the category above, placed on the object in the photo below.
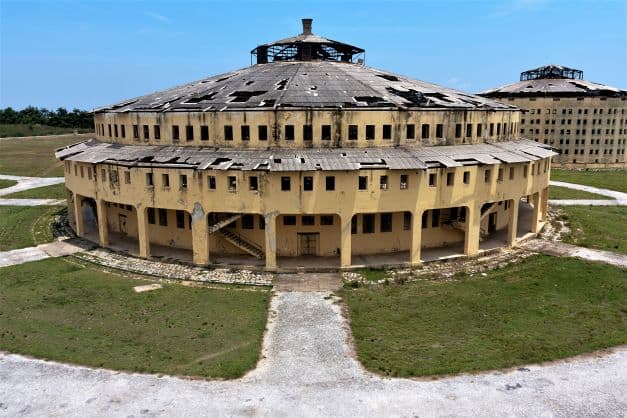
pixel 308 369
pixel 51 249
pixel 27 183
pixel 560 249
pixel 618 198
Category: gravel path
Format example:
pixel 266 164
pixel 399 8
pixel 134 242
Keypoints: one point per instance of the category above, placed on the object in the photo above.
pixel 620 198
pixel 308 370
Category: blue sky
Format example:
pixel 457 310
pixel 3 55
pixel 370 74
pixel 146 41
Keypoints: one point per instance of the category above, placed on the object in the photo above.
pixel 87 54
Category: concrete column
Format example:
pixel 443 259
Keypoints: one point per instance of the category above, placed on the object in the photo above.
pixel 416 238
pixel 346 251
pixel 78 215
pixel 200 236
pixel 512 225
pixel 473 225
pixel 545 203
pixel 535 217
pixel 142 232
pixel 270 220
pixel 103 228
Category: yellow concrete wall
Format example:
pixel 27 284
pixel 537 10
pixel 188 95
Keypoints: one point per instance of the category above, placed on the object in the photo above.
pixel 339 121
pixel 546 110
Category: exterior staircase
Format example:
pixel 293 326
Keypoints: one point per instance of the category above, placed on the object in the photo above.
pixel 242 243
pixel 485 212
pixel 221 224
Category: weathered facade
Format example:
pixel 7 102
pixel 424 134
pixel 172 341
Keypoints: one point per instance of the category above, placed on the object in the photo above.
pixel 307 156
pixel 585 121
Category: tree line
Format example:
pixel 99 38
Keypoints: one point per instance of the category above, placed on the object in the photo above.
pixel 41 116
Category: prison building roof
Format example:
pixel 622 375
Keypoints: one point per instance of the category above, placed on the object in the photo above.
pixel 325 159
pixel 554 80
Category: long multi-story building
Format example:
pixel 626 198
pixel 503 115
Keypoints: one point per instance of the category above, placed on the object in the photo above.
pixel 307 157
pixel 585 121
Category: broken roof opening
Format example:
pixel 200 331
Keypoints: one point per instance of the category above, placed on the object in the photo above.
pixel 243 96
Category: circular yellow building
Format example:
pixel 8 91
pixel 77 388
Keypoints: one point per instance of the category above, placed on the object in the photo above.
pixel 307 158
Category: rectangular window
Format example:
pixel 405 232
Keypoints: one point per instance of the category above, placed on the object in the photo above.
pixel 354 224
pixel 248 222
pixel 103 174
pixel 146 132
pixel 406 221
pixel 404 181
pixel 245 131
pixel 212 183
pixel 175 133
pixel 115 130
pixel 109 130
pixel 500 175
pixel 228 133
pixel 253 183
pixel 151 216
pixel 82 173
pixel 458 130
pixel 89 173
pixel 262 222
pixel 386 222
pixel 492 129
pixel 189 133
pixel 367 223
pixel 163 217
pixel 308 183
pixel 165 180
pixel 156 130
pixel 466 177
pixel 149 180
pixel 326 132
pixel 204 133
pixel 289 132
pixel 308 220
pixel 487 176
pixel 307 133
pixel 286 184
pixel 326 220
pixel 232 183
pixel 363 183
pixel 511 173
pixel 433 180
pixel 435 218
pixel 289 220
pixel 383 182
pixel 183 181
pixel 425 131
pixel 479 129
pixel 411 131
pixel 180 219
pixel 123 129
pixel 498 129
pixel 468 129
pixel 425 219
pixel 262 131
pixel 450 179
pixel 353 132
pixel 369 132
pixel 330 183
pixel 439 130
pixel 387 132
pixel 135 131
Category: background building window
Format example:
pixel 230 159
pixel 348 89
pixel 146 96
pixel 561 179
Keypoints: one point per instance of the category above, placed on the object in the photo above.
pixel 353 132
pixel 289 132
pixel 367 223
pixel 286 184
pixel 386 222
pixel 330 183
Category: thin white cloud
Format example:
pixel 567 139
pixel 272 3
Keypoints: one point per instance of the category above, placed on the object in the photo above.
pixel 159 17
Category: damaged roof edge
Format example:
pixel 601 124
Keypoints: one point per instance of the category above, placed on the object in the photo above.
pixel 310 159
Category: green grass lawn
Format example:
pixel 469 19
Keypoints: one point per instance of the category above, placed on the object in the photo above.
pixel 18 130
pixel 601 227
pixel 604 179
pixel 34 156
pixel 541 309
pixel 56 191
pixel 25 226
pixel 556 192
pixel 7 183
pixel 61 311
